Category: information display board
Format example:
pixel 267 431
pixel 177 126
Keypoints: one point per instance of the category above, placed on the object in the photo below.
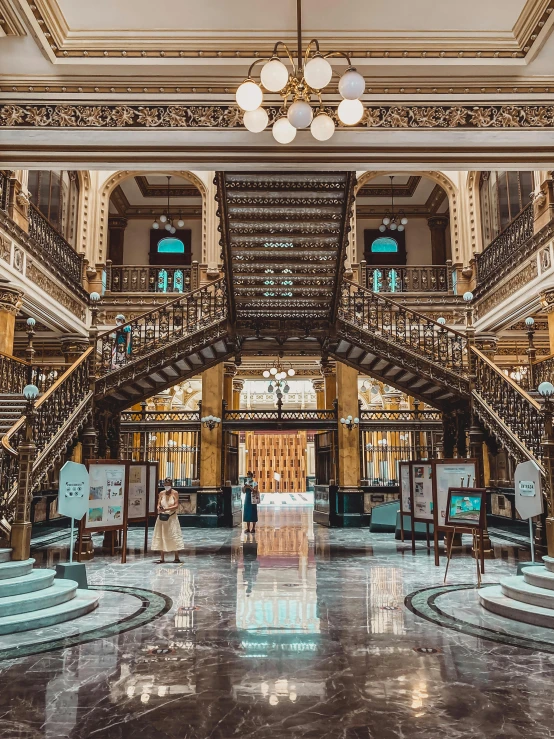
pixel 137 504
pixel 405 494
pixel 449 473
pixel 422 491
pixel 153 480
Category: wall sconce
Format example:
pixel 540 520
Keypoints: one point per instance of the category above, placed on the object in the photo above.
pixel 210 422
pixel 350 423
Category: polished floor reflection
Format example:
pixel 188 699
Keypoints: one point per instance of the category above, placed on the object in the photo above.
pixel 295 631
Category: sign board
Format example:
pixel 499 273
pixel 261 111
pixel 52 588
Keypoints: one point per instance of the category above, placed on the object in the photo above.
pixel 528 489
pixel 422 491
pixel 405 489
pixel 73 490
pixel 451 474
pixel 107 495
pixel 138 492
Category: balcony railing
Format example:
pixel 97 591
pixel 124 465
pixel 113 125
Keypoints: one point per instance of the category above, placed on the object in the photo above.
pixel 428 278
pixel 149 278
pixel 506 250
pixel 14 375
pixel 543 371
pixel 54 246
pixel 4 191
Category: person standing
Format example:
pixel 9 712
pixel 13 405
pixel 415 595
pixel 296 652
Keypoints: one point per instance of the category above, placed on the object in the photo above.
pixel 250 513
pixel 168 536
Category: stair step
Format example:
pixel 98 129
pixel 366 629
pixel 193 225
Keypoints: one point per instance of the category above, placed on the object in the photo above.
pixel 493 599
pixel 540 577
pixel 59 592
pixel 518 589
pixel 548 563
pixel 15 568
pixel 36 580
pixel 5 555
pixel 84 602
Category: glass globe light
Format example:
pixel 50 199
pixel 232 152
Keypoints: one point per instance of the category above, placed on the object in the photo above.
pixel 468 297
pixel 273 371
pixel 318 72
pixel 546 389
pixel 168 226
pixel 323 127
pixel 286 388
pixel 343 420
pixel 393 226
pixel 356 420
pixel 404 221
pixel 31 323
pixel 163 218
pixel 180 223
pixel 172 230
pixel 30 392
pixel 155 225
pixel 529 321
pixel 386 220
pixel 283 132
pixel 351 85
pixel 401 227
pixel 266 373
pixel 291 372
pixel 441 320
pixel 256 120
pixel 249 95
pixel 270 389
pixel 94 296
pixel 382 228
pixel 350 112
pixel 274 75
pixel 300 114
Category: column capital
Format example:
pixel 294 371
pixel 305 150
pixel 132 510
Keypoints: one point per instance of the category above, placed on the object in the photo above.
pixel 439 222
pixel 318 385
pixel 238 386
pixel 229 369
pixel 11 297
pixel 547 300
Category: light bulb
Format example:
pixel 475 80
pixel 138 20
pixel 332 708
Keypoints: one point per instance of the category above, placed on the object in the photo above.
pixel 401 227
pixel 404 221
pixel 155 225
pixel 323 127
pixel 393 226
pixel 283 132
pixel 168 226
pixel 270 389
pixel 318 72
pixel 180 223
pixel 163 218
pixel 351 85
pixel 468 297
pixel 546 389
pixel 291 372
pixel 350 112
pixel 530 321
pixel 172 230
pixel 256 120
pixel 441 320
pixel 266 373
pixel 382 228
pixel 273 371
pixel 286 388
pixel 356 420
pixel 386 220
pixel 343 420
pixel 274 75
pixel 300 114
pixel 249 95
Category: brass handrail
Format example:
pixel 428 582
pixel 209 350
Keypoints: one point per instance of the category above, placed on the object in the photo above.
pixel 506 378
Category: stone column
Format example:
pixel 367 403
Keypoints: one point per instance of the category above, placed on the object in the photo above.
pixel 238 386
pixel 11 298
pixel 547 302
pixel 229 371
pixel 73 345
pixel 330 381
pixel 437 226
pixel 116 238
pixel 18 204
pixel 319 387
pixel 211 439
pixel 348 440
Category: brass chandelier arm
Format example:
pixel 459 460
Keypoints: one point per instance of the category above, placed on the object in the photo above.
pixel 257 61
pixel 339 53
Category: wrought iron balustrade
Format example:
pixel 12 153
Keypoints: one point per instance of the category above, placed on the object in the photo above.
pixel 504 250
pixel 59 414
pixel 406 279
pixel 167 418
pixel 177 319
pixel 14 374
pixel 278 414
pixel 387 418
pixel 54 246
pixel 543 371
pixel 4 191
pixel 399 325
pixel 151 278
pixel 518 420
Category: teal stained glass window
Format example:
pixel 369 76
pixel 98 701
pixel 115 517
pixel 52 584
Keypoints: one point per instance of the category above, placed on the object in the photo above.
pixel 171 245
pixel 384 244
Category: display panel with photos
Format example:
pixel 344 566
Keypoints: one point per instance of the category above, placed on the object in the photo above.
pixel 405 487
pixel 422 491
pixel 107 496
pixel 138 491
pixel 465 507
pixel 152 486
pixel 456 473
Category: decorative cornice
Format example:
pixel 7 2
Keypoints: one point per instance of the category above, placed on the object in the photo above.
pixel 60 42
pixel 9 20
pixel 384 191
pixel 37 115
pixel 158 191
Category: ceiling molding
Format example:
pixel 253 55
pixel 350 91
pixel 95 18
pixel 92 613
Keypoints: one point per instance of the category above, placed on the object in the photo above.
pixel 10 22
pixel 183 190
pixel 125 209
pixel 384 191
pixel 64 45
pixel 435 199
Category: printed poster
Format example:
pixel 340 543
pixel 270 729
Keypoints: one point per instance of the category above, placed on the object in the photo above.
pixel 105 504
pixel 153 473
pixel 137 499
pixel 422 486
pixel 405 487
pixel 452 475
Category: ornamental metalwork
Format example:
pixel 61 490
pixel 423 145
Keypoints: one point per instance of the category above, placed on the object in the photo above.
pixel 225 116
pixel 396 279
pixel 149 278
pixel 54 246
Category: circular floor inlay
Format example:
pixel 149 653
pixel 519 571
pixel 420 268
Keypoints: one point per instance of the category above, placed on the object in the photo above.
pixel 152 605
pixel 423 604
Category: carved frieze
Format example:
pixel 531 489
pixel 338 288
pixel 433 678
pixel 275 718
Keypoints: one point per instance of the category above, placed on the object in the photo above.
pixel 547 301
pixel 36 274
pixel 515 283
pixel 11 298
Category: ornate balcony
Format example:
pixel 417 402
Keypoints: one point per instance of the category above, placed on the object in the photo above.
pixel 427 278
pixel 147 278
pixel 55 247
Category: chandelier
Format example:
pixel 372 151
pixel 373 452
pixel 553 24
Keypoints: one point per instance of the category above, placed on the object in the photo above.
pixel 393 221
pixel 299 88
pixel 277 376
pixel 166 219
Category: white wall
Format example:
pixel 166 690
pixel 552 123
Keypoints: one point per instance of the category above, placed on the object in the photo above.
pixel 137 240
pixel 418 239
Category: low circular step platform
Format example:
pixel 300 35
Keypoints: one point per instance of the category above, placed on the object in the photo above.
pixel 493 599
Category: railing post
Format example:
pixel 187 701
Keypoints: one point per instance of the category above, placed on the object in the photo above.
pixel 20 540
pixel 531 351
pixel 108 275
pixel 548 462
pixel 363 273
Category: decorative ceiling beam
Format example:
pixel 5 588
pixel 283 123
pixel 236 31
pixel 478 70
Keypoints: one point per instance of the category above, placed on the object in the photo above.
pixel 383 191
pixel 10 22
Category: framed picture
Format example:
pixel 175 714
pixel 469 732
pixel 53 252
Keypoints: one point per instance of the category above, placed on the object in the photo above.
pixel 465 508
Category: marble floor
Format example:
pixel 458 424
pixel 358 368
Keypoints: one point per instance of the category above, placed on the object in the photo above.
pixel 297 631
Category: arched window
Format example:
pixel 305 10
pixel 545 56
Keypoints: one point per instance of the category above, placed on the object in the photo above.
pixel 55 193
pixel 503 195
pixel 384 244
pixel 171 245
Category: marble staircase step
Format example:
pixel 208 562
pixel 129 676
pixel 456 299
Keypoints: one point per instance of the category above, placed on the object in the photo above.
pixel 61 591
pixel 540 577
pixel 493 599
pixel 548 563
pixel 516 588
pixel 15 568
pixel 36 580
pixel 5 555
pixel 84 602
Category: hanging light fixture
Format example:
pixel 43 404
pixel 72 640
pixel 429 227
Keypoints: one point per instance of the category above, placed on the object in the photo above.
pixel 393 221
pixel 166 219
pixel 301 89
pixel 278 379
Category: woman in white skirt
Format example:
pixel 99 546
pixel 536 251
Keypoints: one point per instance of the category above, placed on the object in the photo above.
pixel 167 534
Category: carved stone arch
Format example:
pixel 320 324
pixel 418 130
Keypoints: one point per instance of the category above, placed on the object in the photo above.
pixel 84 205
pixel 117 178
pixel 453 202
pixel 475 231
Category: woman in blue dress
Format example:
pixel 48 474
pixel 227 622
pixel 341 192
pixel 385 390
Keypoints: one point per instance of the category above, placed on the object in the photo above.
pixel 250 513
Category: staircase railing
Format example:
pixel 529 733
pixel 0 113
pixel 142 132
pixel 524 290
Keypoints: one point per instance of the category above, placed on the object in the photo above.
pixel 59 414
pixel 543 370
pixel 14 374
pixel 176 319
pixel 404 327
pixel 506 409
pixel 426 278
pixel 55 246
